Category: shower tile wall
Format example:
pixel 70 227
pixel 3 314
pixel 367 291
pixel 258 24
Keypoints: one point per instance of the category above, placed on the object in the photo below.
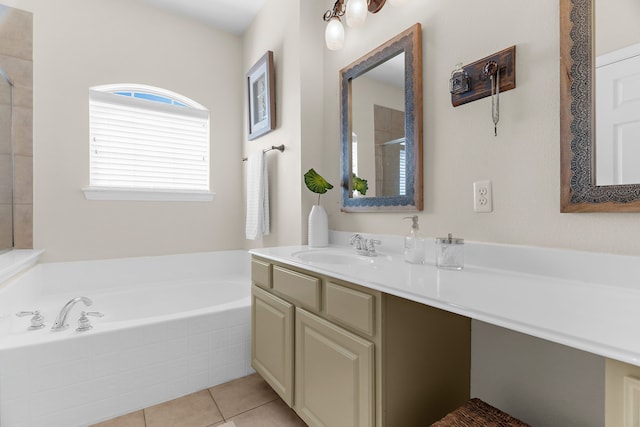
pixel 388 126
pixel 16 59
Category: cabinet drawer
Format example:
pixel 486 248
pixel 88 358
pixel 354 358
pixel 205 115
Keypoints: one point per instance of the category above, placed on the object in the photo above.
pixel 300 288
pixel 350 307
pixel 261 273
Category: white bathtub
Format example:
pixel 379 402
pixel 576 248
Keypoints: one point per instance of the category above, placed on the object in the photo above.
pixel 173 325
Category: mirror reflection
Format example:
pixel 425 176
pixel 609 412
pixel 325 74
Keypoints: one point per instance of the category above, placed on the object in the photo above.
pixel 378 148
pixel 381 127
pixel 617 92
pixel 6 163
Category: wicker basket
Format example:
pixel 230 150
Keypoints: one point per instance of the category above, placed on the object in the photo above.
pixel 476 413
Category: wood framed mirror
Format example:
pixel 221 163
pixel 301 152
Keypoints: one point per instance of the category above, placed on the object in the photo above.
pixel 598 171
pixel 381 127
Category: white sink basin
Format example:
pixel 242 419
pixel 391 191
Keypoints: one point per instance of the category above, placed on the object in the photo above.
pixel 335 257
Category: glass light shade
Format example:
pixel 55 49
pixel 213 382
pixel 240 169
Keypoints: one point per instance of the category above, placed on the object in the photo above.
pixel 398 2
pixel 356 13
pixel 334 34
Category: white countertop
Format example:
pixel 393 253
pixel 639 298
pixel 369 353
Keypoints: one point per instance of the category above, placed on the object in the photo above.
pixel 583 300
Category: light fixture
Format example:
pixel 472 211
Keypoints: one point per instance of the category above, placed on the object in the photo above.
pixel 334 33
pixel 356 14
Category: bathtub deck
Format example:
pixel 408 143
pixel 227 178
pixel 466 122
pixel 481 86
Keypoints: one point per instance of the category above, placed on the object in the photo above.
pixel 244 402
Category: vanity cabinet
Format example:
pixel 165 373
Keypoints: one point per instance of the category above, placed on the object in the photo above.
pixel 341 354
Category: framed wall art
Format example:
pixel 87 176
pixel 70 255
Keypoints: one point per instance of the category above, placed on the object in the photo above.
pixel 262 101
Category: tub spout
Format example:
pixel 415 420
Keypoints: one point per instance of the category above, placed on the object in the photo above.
pixel 61 320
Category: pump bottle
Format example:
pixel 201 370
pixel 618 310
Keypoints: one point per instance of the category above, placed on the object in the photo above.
pixel 415 245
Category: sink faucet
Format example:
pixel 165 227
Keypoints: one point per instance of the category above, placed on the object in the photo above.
pixel 364 246
pixel 61 320
pixel 358 242
pixel 371 246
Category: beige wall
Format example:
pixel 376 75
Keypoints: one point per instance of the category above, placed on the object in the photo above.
pixel 312 93
pixel 522 161
pixel 616 24
pixel 539 382
pixel 78 44
pixel 281 38
pixel 291 30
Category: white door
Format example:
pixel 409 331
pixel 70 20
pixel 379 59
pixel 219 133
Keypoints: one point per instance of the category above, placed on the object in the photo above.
pixel 618 117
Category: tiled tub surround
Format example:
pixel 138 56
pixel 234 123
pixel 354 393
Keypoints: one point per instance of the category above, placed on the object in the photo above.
pixel 583 300
pixel 173 325
pixel 16 59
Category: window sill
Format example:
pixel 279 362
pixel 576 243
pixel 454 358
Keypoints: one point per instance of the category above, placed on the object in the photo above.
pixel 98 193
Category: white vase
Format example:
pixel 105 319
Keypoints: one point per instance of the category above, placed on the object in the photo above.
pixel 318 227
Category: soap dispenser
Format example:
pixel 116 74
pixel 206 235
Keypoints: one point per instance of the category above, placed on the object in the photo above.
pixel 415 245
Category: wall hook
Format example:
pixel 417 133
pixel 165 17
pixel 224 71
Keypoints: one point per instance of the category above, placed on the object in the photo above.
pixel 492 70
pixel 459 81
pixel 502 65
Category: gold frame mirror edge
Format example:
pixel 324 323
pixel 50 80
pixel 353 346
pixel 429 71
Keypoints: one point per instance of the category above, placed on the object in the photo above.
pixel 409 42
pixel 578 190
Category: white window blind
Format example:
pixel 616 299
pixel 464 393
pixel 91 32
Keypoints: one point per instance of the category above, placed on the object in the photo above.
pixel 402 188
pixel 354 153
pixel 141 144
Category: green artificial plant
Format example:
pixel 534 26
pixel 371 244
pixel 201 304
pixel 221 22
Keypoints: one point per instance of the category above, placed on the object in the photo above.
pixel 360 185
pixel 316 183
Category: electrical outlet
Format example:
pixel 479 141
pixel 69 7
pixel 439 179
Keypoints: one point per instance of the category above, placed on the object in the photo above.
pixel 482 196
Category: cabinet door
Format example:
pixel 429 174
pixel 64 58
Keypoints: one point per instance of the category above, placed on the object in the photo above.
pixel 334 374
pixel 272 341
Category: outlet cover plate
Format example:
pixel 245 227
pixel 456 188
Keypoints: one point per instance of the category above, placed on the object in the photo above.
pixel 482 197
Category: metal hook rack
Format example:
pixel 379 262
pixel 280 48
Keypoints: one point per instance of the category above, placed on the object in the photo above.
pixel 280 148
pixel 502 63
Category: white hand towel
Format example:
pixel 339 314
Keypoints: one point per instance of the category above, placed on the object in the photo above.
pixel 257 197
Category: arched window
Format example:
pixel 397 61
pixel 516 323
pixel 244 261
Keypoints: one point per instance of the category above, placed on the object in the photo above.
pixel 147 139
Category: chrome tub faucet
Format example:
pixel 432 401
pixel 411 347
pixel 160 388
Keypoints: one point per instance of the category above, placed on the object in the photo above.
pixel 84 324
pixel 61 320
pixel 37 321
